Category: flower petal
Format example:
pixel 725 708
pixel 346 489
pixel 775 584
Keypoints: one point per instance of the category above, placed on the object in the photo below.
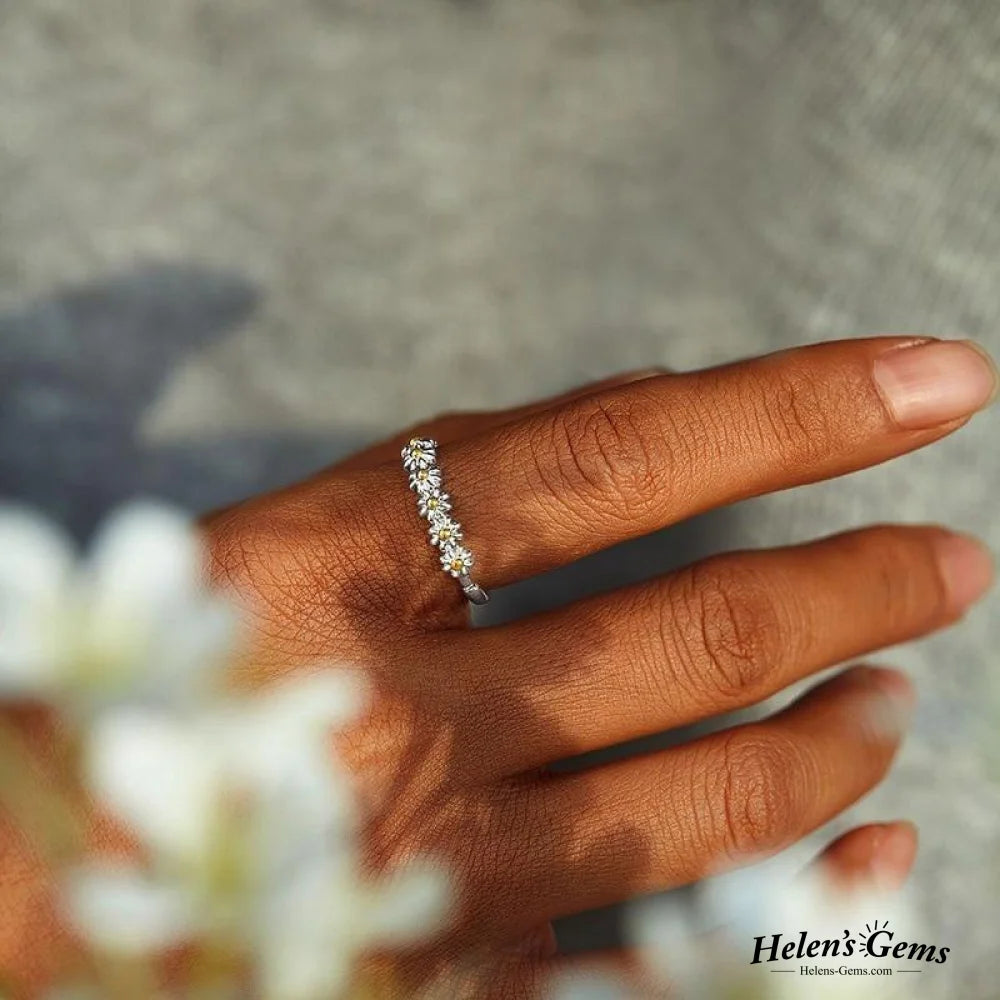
pixel 665 932
pixel 146 556
pixel 410 905
pixel 157 774
pixel 121 911
pixel 283 750
pixel 305 803
pixel 307 938
pixel 145 577
pixel 186 661
pixel 586 986
pixel 316 701
pixel 36 563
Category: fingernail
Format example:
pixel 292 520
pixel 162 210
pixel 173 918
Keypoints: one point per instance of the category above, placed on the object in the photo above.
pixel 895 684
pixel 890 715
pixel 894 854
pixel 966 566
pixel 932 383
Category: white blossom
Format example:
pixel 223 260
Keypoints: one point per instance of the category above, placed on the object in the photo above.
pixel 433 504
pixel 587 985
pixel 248 827
pixel 704 949
pixel 252 831
pixel 426 481
pixel 133 618
pixel 120 910
pixel 456 559
pixel 419 453
pixel 444 531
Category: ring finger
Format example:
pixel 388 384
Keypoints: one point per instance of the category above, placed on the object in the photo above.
pixel 450 427
pixel 553 486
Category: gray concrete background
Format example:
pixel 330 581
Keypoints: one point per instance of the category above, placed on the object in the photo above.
pixel 238 238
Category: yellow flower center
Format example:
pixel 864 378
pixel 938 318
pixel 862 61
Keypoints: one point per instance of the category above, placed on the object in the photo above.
pixel 444 533
pixel 457 564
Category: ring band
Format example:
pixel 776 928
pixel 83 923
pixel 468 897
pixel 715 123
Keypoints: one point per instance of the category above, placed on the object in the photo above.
pixel 420 461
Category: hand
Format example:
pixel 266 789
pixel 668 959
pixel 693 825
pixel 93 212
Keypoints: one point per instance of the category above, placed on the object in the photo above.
pixel 452 757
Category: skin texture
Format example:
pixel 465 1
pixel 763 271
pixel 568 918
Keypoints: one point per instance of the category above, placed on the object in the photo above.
pixel 451 757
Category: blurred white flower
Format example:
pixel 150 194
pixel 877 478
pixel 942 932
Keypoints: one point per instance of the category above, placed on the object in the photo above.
pixel 577 985
pixel 317 922
pixel 704 948
pixel 668 936
pixel 123 912
pixel 251 831
pixel 134 618
pixel 247 822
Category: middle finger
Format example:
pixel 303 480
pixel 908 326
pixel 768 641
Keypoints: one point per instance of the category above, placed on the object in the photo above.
pixel 708 639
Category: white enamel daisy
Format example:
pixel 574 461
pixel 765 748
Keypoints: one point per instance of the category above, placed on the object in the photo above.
pixel 425 481
pixel 445 531
pixel 456 560
pixel 419 453
pixel 434 505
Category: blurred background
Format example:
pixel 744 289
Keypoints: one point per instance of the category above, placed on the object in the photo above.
pixel 240 238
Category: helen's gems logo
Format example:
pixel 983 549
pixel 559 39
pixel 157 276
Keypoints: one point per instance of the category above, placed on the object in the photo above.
pixel 876 942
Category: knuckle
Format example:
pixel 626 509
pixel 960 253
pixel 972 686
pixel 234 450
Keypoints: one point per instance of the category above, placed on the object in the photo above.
pixel 278 558
pixel 732 628
pixel 609 449
pixel 760 794
pixel 233 551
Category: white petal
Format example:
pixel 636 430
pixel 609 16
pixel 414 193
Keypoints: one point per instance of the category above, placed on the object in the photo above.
pixel 145 575
pixel 586 986
pixel 283 751
pixel 299 971
pixel 740 899
pixel 307 937
pixel 120 910
pixel 411 905
pixel 146 556
pixel 186 659
pixel 664 931
pixel 306 807
pixel 319 701
pixel 157 774
pixel 36 564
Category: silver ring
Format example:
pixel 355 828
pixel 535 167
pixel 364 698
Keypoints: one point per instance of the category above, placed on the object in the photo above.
pixel 420 461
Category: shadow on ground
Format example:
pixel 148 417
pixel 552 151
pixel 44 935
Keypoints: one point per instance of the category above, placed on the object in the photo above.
pixel 79 368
